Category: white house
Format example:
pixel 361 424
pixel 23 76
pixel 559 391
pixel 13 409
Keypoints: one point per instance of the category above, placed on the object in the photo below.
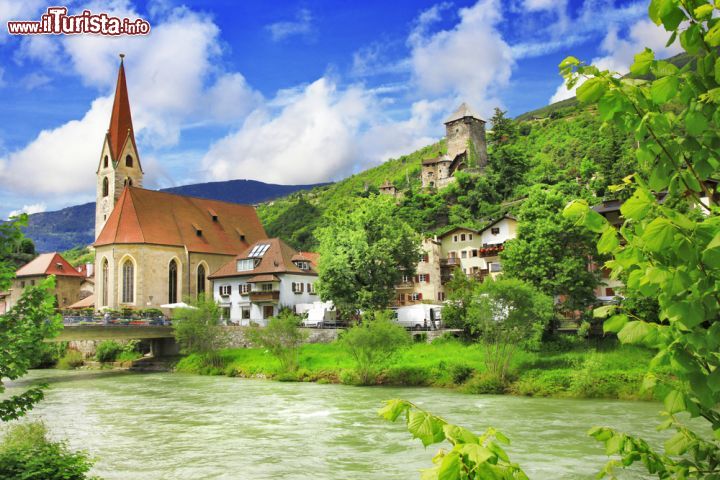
pixel 266 277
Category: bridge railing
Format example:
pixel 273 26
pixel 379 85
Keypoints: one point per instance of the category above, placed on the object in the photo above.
pixel 78 320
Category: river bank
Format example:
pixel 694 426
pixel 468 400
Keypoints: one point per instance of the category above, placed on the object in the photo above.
pixel 603 370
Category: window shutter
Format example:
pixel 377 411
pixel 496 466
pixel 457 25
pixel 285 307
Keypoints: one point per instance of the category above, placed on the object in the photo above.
pixel 302 287
pixel 419 297
pixel 427 278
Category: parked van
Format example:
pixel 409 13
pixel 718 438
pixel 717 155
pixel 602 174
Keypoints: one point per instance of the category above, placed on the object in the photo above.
pixel 317 314
pixel 421 316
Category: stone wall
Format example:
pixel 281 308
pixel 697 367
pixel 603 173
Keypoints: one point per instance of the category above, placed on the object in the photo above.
pixel 237 337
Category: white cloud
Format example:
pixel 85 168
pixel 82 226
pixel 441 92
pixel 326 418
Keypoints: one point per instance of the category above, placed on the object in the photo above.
pixel 471 61
pixel 29 209
pixel 302 25
pixel 620 52
pixel 540 5
pixel 35 80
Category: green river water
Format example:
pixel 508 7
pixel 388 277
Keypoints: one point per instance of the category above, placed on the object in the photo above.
pixel 173 426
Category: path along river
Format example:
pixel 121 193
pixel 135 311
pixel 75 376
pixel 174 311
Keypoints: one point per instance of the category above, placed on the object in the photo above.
pixel 174 426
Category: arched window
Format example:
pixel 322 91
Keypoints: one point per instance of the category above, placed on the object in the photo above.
pixel 172 281
pixel 105 162
pixel 130 182
pixel 104 283
pixel 106 187
pixel 128 161
pixel 128 273
pixel 201 280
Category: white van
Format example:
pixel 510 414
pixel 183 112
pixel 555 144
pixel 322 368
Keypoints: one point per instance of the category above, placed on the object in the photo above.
pixel 317 314
pixel 419 316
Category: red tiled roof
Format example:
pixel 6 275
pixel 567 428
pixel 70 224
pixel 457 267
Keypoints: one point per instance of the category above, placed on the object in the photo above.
pixel 277 259
pixel 268 277
pixel 86 302
pixel 121 128
pixel 161 218
pixel 48 264
pixel 311 257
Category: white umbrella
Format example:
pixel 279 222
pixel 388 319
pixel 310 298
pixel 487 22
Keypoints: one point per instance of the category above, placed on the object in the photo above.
pixel 177 305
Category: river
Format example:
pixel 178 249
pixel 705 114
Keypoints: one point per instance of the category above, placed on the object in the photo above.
pixel 174 426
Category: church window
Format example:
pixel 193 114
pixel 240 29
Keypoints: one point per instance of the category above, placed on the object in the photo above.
pixel 201 280
pixel 105 282
pixel 105 162
pixel 172 281
pixel 129 161
pixel 106 187
pixel 128 271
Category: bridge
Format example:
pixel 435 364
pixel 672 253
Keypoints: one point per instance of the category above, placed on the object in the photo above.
pixel 160 337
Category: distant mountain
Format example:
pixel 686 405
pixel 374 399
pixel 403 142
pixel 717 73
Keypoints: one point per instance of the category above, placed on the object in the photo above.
pixel 75 226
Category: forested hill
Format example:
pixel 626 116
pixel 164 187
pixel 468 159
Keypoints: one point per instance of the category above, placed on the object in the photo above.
pixel 559 146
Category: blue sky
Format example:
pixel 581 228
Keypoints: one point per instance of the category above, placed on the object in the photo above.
pixel 285 91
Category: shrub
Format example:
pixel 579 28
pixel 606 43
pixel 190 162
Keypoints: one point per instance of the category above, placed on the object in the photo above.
pixel 282 337
pixel 197 329
pixel 50 353
pixel 408 376
pixel 485 383
pixel 27 453
pixel 108 351
pixel 72 359
pixel 461 373
pixel 373 342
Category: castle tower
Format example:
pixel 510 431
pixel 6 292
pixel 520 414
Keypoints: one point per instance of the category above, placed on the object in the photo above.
pixel 119 161
pixel 465 132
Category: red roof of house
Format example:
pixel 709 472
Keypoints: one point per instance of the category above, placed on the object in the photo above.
pixel 161 218
pixel 48 264
pixel 277 258
pixel 121 128
pixel 86 302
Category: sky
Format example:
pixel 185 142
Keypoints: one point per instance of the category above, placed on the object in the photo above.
pixel 288 92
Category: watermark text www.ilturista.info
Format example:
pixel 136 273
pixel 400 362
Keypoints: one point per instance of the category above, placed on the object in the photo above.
pixel 56 21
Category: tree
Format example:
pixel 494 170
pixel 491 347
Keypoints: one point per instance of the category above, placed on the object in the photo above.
pixel 197 329
pixel 372 342
pixel 550 251
pixel 282 337
pixel 667 250
pixel 24 327
pixel 364 254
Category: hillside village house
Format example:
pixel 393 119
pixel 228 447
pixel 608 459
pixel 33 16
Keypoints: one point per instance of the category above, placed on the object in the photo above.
pixel 67 279
pixel 267 276
pixel 475 252
pixel 154 248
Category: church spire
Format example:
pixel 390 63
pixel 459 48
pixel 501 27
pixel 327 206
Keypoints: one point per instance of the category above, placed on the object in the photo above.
pixel 121 120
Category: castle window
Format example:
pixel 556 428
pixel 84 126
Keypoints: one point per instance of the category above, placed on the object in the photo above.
pixel 106 187
pixel 201 280
pixel 128 161
pixel 128 292
pixel 105 162
pixel 104 283
pixel 172 281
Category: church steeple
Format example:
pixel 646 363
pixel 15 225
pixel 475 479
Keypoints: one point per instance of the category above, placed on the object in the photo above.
pixel 119 161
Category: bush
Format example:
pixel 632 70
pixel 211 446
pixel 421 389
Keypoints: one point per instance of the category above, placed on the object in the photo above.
pixel 461 373
pixel 485 383
pixel 50 353
pixel 108 351
pixel 408 376
pixel 72 359
pixel 282 337
pixel 27 453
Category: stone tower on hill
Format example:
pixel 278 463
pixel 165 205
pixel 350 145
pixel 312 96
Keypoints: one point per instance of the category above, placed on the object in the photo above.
pixel 466 149
pixel 119 161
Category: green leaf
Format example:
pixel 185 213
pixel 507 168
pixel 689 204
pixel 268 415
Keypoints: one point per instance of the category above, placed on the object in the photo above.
pixel 634 332
pixel 691 39
pixel 569 61
pixel 608 241
pixel 712 38
pixel 604 311
pixel 675 402
pixel 456 434
pixel 659 9
pixel 450 467
pixel 713 380
pixel 610 104
pixel 703 12
pixel 393 408
pixel 615 323
pixel 711 254
pixel 659 234
pixel 476 453
pixel 637 206
pixel 717 70
pixel 591 90
pixel 643 61
pixel 677 444
pixel 614 444
pixel 695 122
pixel 689 314
pixel 663 89
pixel 426 427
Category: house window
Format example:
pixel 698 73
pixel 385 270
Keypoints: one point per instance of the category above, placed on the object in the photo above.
pixel 104 282
pixel 454 238
pixel 423 278
pixel 172 281
pixel 441 296
pixel 495 267
pixel 474 253
pixel 129 161
pixel 267 287
pixel 245 265
pixel 463 254
pixel 303 265
pixel 106 187
pixel 495 230
pixel 311 288
pixel 425 257
pixel 469 236
pixel 225 290
pixel 416 297
pixel 406 279
pixel 22 284
pixel 610 292
pixel 297 287
pixel 245 313
pixel 244 289
pixel 201 280
pixel 128 272
pixel 462 237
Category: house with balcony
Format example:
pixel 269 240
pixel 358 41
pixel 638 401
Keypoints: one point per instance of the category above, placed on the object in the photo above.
pixel 476 252
pixel 425 285
pixel 267 276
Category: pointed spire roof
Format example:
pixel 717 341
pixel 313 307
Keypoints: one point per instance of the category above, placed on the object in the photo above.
pixel 121 121
pixel 464 110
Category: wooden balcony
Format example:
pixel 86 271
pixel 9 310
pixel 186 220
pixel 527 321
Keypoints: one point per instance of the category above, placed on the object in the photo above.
pixel 450 262
pixel 258 297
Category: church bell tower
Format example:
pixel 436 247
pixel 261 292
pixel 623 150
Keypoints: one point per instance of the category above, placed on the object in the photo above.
pixel 119 165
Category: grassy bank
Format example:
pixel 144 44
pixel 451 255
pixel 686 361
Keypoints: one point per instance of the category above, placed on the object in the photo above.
pixel 599 371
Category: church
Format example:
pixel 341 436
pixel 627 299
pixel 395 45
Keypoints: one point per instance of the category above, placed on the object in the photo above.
pixel 154 248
